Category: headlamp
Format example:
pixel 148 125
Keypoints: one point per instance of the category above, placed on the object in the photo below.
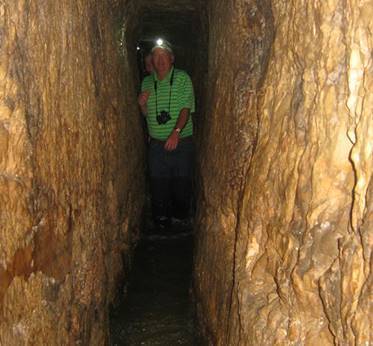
pixel 163 44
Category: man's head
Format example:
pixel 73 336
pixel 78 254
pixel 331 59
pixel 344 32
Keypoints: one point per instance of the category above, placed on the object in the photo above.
pixel 163 58
pixel 149 63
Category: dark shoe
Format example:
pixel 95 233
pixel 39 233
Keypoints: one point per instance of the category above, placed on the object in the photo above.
pixel 162 223
pixel 182 224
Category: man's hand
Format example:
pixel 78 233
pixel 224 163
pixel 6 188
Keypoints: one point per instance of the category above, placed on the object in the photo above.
pixel 142 100
pixel 172 141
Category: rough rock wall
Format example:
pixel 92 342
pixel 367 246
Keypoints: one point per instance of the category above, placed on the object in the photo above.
pixel 237 60
pixel 70 171
pixel 286 211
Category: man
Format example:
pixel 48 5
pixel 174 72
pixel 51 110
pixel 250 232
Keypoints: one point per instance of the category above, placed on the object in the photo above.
pixel 148 64
pixel 167 101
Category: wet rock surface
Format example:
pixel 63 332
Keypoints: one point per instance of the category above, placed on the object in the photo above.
pixel 283 251
pixel 71 168
pixel 158 309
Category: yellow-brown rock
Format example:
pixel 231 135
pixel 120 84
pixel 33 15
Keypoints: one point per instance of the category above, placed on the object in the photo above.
pixel 285 137
pixel 285 228
pixel 71 167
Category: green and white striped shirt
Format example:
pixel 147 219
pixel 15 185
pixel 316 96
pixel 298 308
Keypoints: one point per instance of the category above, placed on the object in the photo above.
pixel 182 96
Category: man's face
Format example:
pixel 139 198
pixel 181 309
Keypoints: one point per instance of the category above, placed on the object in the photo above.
pixel 149 64
pixel 162 60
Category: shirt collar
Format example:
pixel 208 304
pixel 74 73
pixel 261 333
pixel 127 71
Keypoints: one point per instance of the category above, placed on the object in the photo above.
pixel 165 79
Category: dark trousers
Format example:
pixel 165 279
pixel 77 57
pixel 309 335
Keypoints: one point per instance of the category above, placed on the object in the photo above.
pixel 171 175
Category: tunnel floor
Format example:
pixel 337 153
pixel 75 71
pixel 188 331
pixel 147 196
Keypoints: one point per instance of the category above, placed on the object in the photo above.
pixel 158 309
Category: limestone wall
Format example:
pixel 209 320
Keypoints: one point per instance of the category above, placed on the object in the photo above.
pixel 286 205
pixel 71 159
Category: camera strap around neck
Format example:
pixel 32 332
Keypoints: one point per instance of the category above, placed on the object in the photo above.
pixel 170 92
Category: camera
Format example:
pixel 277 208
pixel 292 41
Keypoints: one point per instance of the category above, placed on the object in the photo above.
pixel 163 117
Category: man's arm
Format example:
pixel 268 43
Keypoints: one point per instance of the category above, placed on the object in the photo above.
pixel 183 118
pixel 142 101
pixel 173 139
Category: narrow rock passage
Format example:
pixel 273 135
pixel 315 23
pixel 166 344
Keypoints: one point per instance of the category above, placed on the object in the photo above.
pixel 158 309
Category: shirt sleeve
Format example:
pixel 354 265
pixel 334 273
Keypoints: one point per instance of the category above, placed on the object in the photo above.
pixel 187 94
pixel 143 87
pixel 146 83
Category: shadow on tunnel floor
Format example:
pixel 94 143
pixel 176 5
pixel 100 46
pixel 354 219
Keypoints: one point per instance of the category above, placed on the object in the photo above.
pixel 158 309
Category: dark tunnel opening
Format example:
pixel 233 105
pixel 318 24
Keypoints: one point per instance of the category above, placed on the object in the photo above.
pixel 157 307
